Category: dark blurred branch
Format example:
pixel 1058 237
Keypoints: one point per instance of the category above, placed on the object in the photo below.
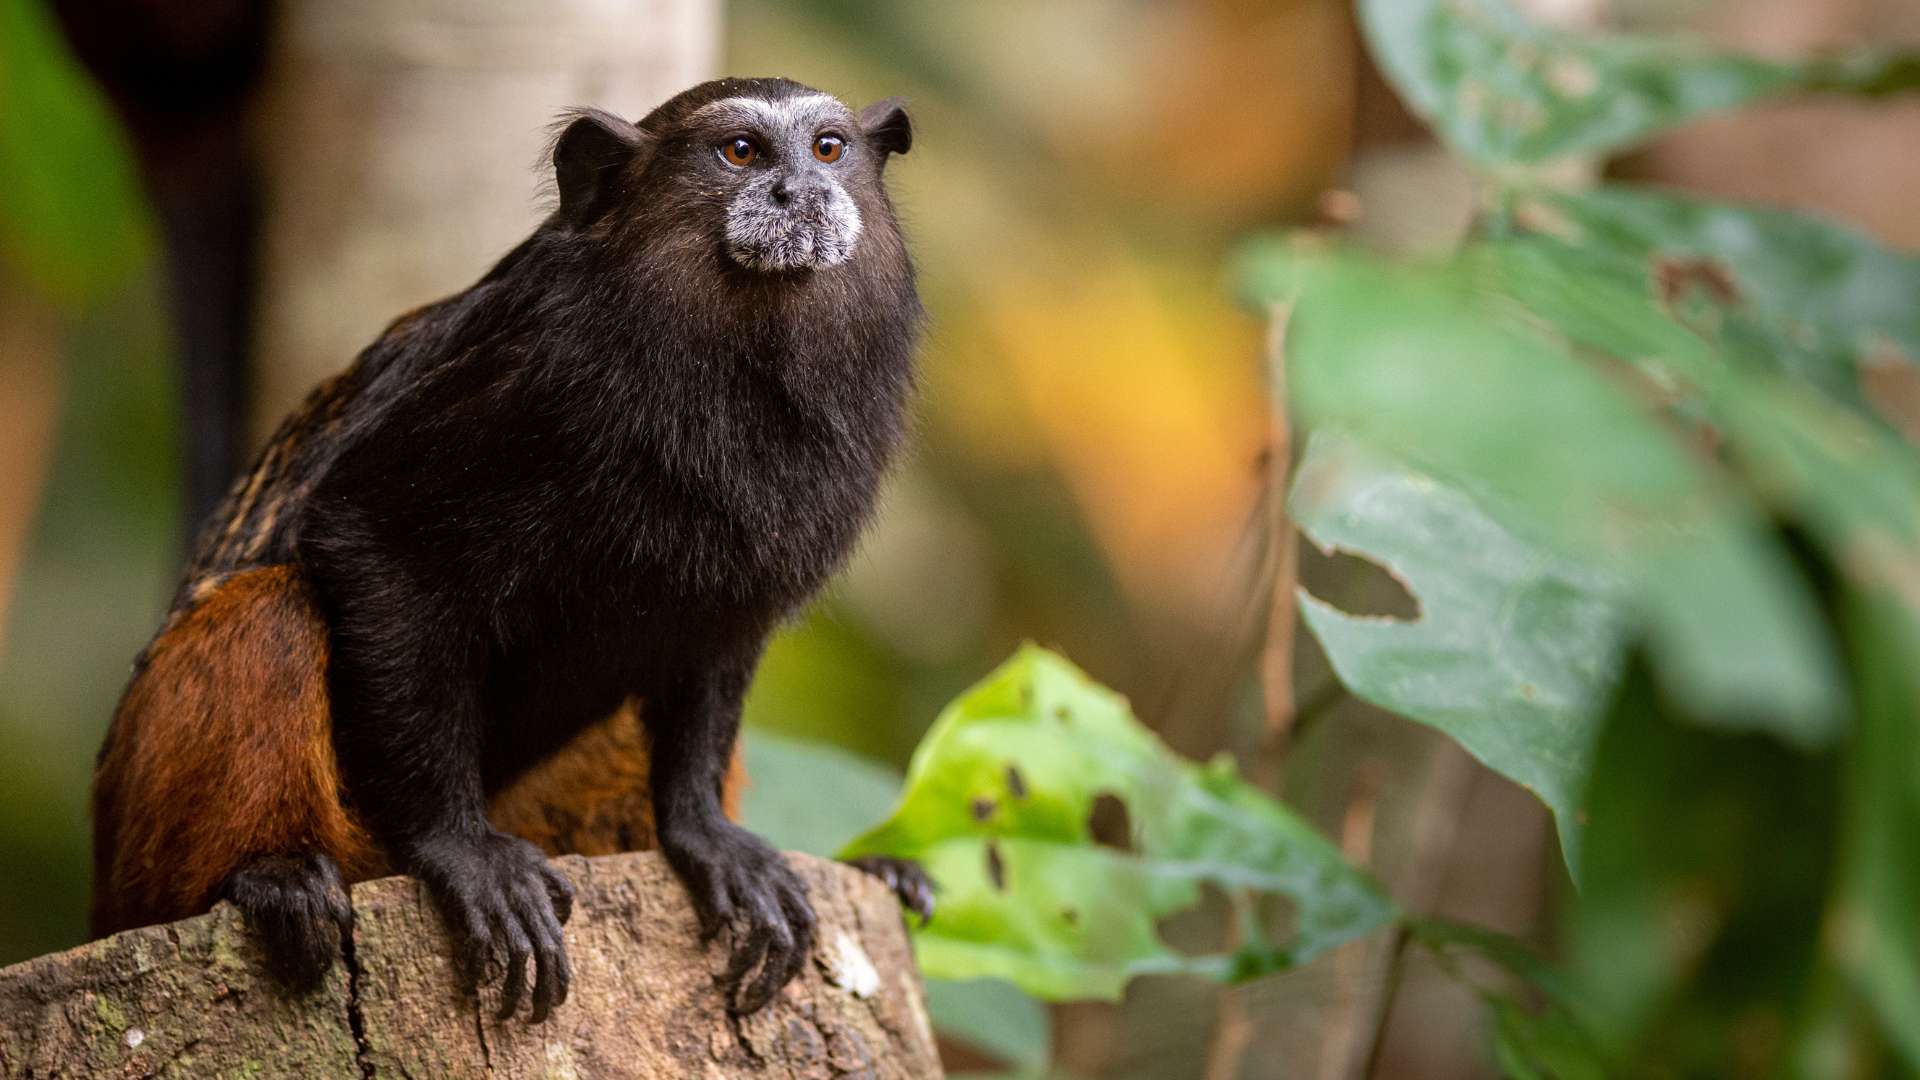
pixel 183 79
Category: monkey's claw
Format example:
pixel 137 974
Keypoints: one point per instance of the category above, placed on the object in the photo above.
pixel 904 876
pixel 741 885
pixel 499 895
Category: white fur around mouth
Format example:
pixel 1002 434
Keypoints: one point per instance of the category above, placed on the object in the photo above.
pixel 761 236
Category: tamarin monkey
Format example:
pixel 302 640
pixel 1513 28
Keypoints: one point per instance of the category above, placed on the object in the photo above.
pixel 496 591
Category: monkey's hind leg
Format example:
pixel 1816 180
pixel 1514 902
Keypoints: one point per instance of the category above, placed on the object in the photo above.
pixel 298 904
pixel 218 779
pixel 594 797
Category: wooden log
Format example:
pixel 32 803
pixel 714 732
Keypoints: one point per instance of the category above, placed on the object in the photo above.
pixel 193 999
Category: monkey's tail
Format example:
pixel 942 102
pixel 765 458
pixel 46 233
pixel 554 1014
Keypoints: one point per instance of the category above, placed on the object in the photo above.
pixel 218 777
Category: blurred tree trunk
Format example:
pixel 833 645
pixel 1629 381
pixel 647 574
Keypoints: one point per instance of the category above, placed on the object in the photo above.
pixel 401 140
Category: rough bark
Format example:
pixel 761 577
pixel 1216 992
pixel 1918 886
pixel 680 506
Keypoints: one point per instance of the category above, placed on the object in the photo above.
pixel 193 999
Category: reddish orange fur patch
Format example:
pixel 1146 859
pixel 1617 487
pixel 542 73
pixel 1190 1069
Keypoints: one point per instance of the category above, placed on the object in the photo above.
pixel 221 751
pixel 594 796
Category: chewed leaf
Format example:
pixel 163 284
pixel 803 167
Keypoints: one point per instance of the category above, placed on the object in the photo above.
pixel 1812 298
pixel 1516 648
pixel 1501 89
pixel 1848 481
pixel 998 808
pixel 1442 365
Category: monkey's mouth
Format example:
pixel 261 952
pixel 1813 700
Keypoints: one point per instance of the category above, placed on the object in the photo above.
pixel 819 234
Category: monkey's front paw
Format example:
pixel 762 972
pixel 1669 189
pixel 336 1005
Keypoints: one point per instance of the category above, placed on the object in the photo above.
pixel 741 885
pixel 499 895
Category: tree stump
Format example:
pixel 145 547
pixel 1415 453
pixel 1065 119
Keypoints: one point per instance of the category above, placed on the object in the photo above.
pixel 193 998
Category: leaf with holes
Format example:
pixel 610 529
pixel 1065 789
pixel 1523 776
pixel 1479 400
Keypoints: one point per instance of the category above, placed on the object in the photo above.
pixel 1500 89
pixel 1847 481
pixel 998 809
pixel 1515 648
pixel 1436 365
pixel 1813 299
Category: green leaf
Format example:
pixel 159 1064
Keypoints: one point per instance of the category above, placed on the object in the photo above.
pixel 72 219
pixel 1851 486
pixel 1850 482
pixel 1543 1045
pixel 995 1018
pixel 1873 925
pixel 1500 89
pixel 1551 1042
pixel 783 800
pixel 1707 868
pixel 1515 648
pixel 997 809
pixel 1812 298
pixel 1437 365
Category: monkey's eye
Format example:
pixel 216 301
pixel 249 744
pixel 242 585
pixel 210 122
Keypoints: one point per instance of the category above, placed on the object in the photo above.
pixel 828 148
pixel 740 151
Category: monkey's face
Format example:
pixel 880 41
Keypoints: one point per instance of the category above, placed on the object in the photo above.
pixel 781 178
pixel 785 167
pixel 782 170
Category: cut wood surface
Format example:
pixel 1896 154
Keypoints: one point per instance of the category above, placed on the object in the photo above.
pixel 193 999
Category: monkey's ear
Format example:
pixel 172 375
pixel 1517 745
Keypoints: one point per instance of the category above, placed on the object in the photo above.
pixel 886 124
pixel 587 160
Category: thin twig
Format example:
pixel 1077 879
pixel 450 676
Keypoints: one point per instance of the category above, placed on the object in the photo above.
pixel 1232 1026
pixel 1318 702
pixel 1349 962
pixel 1276 658
pixel 1396 974
pixel 1443 800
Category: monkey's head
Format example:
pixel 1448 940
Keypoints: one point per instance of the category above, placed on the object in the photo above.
pixel 771 175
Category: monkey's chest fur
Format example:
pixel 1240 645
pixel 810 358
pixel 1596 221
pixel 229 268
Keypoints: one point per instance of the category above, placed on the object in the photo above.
pixel 602 498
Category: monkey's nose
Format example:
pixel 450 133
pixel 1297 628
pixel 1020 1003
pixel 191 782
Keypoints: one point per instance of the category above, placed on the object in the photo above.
pixel 781 193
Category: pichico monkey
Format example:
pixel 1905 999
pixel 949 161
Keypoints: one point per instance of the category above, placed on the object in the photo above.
pixel 496 591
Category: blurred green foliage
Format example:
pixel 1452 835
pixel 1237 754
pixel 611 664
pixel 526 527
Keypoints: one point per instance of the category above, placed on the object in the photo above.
pixel 1668 393
pixel 72 222
pixel 1504 91
pixel 1619 450
pixel 74 234
pixel 100 565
